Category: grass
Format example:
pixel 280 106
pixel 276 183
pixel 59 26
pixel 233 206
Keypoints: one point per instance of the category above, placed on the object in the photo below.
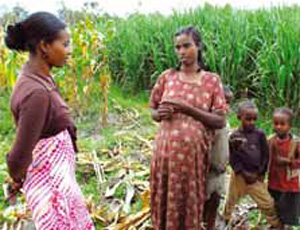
pixel 256 52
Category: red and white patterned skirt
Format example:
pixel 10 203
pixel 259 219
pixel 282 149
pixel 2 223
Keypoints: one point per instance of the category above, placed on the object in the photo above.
pixel 51 190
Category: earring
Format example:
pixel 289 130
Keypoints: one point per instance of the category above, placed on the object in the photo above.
pixel 45 55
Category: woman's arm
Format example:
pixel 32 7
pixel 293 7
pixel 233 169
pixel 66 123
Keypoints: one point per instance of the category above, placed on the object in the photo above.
pixel 30 124
pixel 209 119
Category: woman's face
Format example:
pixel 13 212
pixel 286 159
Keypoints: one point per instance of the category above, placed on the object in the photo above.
pixel 186 49
pixel 59 50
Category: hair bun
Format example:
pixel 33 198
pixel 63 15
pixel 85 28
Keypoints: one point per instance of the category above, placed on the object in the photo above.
pixel 15 38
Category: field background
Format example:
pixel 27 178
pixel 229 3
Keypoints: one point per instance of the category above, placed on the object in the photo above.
pixel 107 84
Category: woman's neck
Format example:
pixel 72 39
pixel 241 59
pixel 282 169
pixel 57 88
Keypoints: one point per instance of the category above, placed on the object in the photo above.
pixel 39 65
pixel 190 69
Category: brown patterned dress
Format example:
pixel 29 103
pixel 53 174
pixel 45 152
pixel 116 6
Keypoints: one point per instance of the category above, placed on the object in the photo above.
pixel 180 153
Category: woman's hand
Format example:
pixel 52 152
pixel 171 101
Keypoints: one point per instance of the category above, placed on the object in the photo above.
pixel 164 112
pixel 16 187
pixel 13 186
pixel 177 105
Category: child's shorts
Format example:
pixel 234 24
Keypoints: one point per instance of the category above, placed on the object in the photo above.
pixel 288 205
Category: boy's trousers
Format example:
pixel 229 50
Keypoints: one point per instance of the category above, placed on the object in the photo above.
pixel 258 191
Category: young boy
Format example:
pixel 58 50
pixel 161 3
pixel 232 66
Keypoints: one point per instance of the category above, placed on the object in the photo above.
pixel 284 168
pixel 248 157
pixel 215 186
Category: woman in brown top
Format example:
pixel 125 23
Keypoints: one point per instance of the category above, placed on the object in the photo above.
pixel 42 159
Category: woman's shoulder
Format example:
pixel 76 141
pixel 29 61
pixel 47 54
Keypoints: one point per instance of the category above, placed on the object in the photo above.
pixel 25 88
pixel 168 72
pixel 166 75
pixel 212 76
pixel 28 84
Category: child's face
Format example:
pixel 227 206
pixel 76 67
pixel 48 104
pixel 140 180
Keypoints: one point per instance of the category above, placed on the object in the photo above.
pixel 248 117
pixel 281 124
pixel 228 97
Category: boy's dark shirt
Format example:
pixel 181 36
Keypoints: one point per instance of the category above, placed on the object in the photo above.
pixel 249 151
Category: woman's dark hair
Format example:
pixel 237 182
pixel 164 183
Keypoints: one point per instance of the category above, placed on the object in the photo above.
pixel 190 30
pixel 27 34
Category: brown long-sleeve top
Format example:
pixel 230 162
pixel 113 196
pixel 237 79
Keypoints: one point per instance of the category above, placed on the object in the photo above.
pixel 39 112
